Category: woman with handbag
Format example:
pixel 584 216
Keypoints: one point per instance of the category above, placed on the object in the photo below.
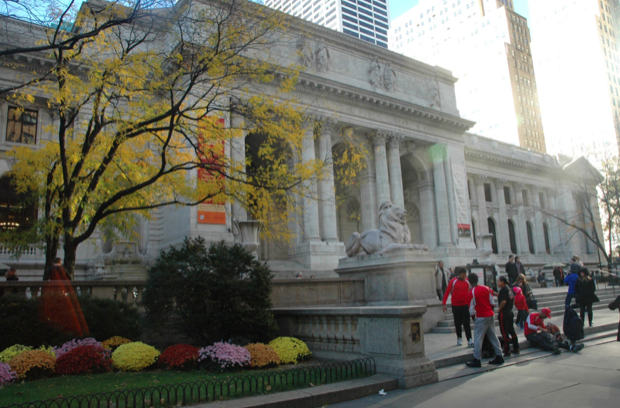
pixel 527 292
pixel 584 291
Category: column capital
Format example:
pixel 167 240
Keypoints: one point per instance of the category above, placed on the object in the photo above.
pixel 394 140
pixel 479 179
pixel 378 137
pixel 500 183
pixel 437 152
pixel 535 190
pixel 519 186
pixel 326 123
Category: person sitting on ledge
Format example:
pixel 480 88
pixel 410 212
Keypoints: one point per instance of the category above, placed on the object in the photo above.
pixel 538 334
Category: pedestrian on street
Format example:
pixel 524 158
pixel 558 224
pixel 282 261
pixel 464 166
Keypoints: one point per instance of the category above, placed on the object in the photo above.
pixel 521 305
pixel 511 270
pixel 458 288
pixel 481 306
pixel 441 279
pixel 506 317
pixel 584 294
pixel 520 267
pixel 571 281
pixel 615 305
pixel 557 276
pixel 56 272
pixel 537 333
pixel 527 291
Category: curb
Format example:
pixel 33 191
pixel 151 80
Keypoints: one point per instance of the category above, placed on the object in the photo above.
pixel 524 345
pixel 314 397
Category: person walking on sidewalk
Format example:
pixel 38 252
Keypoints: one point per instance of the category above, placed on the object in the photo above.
pixel 458 288
pixel 441 279
pixel 584 293
pixel 481 306
pixel 537 333
pixel 511 270
pixel 521 305
pixel 506 317
pixel 571 281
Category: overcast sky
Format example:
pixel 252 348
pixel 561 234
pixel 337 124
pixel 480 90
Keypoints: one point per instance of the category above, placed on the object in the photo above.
pixel 398 7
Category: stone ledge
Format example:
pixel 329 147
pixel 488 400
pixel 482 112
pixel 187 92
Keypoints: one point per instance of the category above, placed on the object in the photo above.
pixel 314 397
pixel 384 311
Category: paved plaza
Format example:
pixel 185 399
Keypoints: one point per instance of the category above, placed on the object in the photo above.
pixel 588 379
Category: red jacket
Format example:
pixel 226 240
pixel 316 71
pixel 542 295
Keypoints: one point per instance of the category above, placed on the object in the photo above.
pixel 459 289
pixel 520 302
pixel 533 323
pixel 482 302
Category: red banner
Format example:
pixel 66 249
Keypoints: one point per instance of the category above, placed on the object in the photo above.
pixel 210 212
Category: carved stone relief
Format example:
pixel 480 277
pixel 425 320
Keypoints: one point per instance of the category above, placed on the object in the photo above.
pixel 314 59
pixel 433 94
pixel 322 57
pixel 382 77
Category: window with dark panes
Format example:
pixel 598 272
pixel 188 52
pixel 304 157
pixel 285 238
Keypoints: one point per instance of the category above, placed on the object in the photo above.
pixel 530 237
pixel 526 198
pixel 17 210
pixel 22 126
pixel 541 197
pixel 507 195
pixel 488 197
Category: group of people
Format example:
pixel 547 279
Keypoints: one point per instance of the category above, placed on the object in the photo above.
pixel 476 301
pixel 54 273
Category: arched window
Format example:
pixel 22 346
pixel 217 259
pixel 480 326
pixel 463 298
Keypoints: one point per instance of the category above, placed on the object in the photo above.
pixel 530 236
pixel 492 231
pixel 546 232
pixel 513 237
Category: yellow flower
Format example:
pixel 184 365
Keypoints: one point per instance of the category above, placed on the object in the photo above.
pixel 290 349
pixel 134 356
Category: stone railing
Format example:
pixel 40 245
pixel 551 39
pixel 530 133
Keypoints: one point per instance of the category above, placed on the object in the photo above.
pixel 392 335
pixel 315 292
pixel 32 252
pixel 124 291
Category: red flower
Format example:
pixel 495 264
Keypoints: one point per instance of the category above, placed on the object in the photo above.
pixel 84 360
pixel 179 356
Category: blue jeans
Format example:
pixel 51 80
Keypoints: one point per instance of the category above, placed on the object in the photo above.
pixel 569 297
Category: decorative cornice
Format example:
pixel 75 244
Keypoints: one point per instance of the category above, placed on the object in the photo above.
pixel 378 137
pixel 394 140
pixel 509 162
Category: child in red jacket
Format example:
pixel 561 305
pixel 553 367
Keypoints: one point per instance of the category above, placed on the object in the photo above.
pixel 521 305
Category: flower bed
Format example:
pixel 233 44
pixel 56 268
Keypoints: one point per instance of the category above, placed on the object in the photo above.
pixel 224 356
pixel 6 374
pixel 84 360
pixel 33 364
pixel 180 356
pixel 290 349
pixel 262 355
pixel 134 356
pixel 70 345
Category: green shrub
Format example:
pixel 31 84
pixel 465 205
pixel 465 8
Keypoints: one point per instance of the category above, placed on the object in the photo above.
pixel 30 326
pixel 210 294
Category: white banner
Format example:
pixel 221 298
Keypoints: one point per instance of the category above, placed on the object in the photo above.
pixel 461 196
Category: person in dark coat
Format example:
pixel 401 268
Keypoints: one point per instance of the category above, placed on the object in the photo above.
pixel 584 292
pixel 520 267
pixel 511 270
pixel 56 272
pixel 557 275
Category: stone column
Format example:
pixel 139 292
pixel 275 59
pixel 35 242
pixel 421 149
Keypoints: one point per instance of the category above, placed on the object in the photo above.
pixel 503 240
pixel 522 240
pixel 539 234
pixel 311 209
pixel 368 200
pixel 381 166
pixel 237 157
pixel 483 223
pixel 428 217
pixel 326 186
pixel 438 155
pixel 396 177
pixel 555 236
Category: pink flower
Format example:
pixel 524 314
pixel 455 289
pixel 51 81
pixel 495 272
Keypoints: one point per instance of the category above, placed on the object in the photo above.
pixel 6 375
pixel 225 355
pixel 70 345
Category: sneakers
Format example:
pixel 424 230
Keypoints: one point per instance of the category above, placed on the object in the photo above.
pixel 498 360
pixel 470 343
pixel 576 348
pixel 459 342
pixel 475 363
pixel 556 350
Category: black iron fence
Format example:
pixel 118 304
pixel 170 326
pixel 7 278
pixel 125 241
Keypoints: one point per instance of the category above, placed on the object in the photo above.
pixel 170 395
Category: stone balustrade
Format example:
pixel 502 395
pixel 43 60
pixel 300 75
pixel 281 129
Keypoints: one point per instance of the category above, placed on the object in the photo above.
pixel 123 290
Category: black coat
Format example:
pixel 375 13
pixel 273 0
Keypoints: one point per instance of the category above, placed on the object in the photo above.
pixel 511 270
pixel 584 290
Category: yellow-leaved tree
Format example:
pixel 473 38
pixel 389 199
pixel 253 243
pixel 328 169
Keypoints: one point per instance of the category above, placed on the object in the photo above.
pixel 140 95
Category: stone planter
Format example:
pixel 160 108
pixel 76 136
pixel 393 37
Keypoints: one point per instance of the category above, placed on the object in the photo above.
pixel 249 235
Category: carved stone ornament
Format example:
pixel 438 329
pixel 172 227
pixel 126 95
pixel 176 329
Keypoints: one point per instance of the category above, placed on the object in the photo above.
pixel 389 77
pixel 382 77
pixel 322 57
pixel 433 94
pixel 392 235
pixel 375 78
pixel 306 56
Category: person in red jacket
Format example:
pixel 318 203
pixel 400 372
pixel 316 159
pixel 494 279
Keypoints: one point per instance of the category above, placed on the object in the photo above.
pixel 481 306
pixel 521 305
pixel 458 288
pixel 538 334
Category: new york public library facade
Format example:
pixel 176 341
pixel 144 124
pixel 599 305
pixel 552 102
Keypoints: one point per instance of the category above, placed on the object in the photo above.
pixel 462 193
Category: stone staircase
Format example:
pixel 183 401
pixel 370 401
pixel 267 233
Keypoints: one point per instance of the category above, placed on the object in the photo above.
pixel 554 300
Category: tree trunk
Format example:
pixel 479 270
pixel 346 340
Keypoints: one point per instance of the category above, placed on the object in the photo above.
pixel 70 255
pixel 51 251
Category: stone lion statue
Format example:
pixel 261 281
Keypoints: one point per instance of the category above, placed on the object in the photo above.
pixel 393 234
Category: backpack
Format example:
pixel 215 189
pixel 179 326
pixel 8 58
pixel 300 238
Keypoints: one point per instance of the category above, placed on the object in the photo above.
pixel 573 325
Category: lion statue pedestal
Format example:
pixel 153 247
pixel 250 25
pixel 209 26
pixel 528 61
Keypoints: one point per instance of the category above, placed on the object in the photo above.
pixel 395 272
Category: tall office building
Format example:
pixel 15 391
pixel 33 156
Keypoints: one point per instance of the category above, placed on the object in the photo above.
pixel 575 47
pixel 487 46
pixel 365 19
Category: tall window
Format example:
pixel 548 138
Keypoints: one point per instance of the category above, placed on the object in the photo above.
pixel 507 195
pixel 513 237
pixel 22 126
pixel 487 193
pixel 17 210
pixel 547 243
pixel 526 198
pixel 541 197
pixel 492 231
pixel 530 236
